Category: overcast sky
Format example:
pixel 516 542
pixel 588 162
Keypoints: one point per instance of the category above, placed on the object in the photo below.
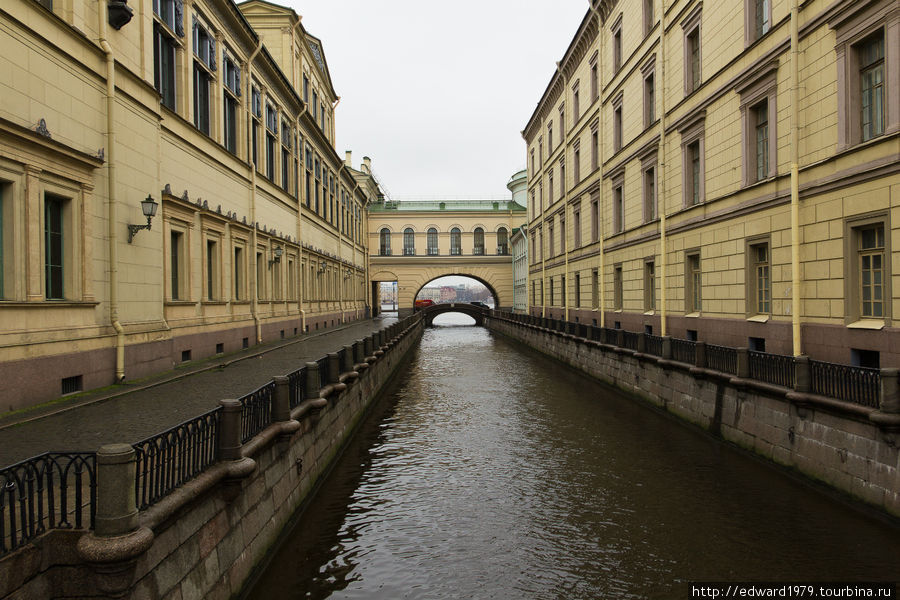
pixel 437 93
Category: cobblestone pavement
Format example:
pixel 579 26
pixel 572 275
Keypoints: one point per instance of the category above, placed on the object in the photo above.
pixel 160 402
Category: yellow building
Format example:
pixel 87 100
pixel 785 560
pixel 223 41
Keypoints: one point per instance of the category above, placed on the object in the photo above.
pixel 724 171
pixel 415 242
pixel 221 118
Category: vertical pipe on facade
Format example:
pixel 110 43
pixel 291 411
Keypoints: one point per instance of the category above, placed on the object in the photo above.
pixel 564 196
pixel 300 279
pixel 795 180
pixel 660 175
pixel 111 194
pixel 254 300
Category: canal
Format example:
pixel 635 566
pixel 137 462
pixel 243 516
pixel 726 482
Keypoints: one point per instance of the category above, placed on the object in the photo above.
pixel 493 472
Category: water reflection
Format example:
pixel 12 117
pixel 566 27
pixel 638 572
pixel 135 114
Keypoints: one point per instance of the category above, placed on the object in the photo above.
pixel 494 473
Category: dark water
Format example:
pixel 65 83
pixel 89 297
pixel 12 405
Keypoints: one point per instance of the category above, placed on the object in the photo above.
pixel 495 473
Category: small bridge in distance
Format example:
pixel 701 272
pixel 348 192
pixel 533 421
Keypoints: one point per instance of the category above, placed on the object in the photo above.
pixel 476 312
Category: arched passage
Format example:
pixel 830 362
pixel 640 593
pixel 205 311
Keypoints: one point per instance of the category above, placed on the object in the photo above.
pixel 458 277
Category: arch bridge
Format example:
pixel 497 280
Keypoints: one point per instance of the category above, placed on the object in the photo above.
pixel 415 242
pixel 476 312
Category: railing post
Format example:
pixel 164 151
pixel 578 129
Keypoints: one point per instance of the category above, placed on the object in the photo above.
pixel 802 374
pixel 334 367
pixel 367 342
pixel 620 338
pixel 588 332
pixel 358 352
pixel 743 363
pixel 311 385
pixel 230 430
pixel 281 399
pixel 890 399
pixel 667 347
pixel 349 356
pixel 700 355
pixel 642 343
pixel 117 512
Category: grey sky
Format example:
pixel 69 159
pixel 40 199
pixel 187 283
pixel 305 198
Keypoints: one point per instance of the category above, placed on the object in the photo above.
pixel 438 93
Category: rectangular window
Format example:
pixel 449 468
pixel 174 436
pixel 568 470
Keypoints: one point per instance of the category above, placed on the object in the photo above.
pixel 212 270
pixel 176 262
pixel 617 48
pixel 167 26
pixel 562 232
pixel 693 284
pixel 285 156
pixel 552 293
pixel 595 220
pixel 53 247
pixel 595 82
pixel 692 62
pixel 760 292
pixel 760 19
pixel 256 107
pixel 551 243
pixel 649 285
pixel 239 277
pixel 575 105
pixel 871 62
pixel 870 254
pixel 595 289
pixel 595 151
pixel 576 227
pixel 617 128
pixel 649 100
pixel 649 18
pixel 550 136
pixel 761 125
pixel 618 299
pixel 562 290
pixel 576 166
pixel 650 204
pixel 229 117
pixel 305 89
pixel 618 209
pixel 550 186
pixel 204 65
pixel 577 290
pixel 260 275
pixel 694 174
pixel 562 179
pixel 271 132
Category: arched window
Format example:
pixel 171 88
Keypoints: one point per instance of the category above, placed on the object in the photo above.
pixel 455 242
pixel 479 241
pixel 502 241
pixel 432 242
pixel 409 242
pixel 385 249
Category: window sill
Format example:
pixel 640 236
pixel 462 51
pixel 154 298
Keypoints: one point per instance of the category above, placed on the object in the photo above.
pixel 873 324
pixel 48 303
pixel 649 313
pixel 759 319
pixel 213 302
pixel 693 315
pixel 180 303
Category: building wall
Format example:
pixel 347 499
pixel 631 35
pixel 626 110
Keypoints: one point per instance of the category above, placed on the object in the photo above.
pixel 206 277
pixel 845 184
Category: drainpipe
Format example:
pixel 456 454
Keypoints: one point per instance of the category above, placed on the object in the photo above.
pixel 601 270
pixel 301 167
pixel 111 196
pixel 795 181
pixel 254 300
pixel 565 198
pixel 660 177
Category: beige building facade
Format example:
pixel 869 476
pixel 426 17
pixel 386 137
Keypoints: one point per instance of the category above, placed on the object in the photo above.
pixel 723 171
pixel 222 118
pixel 415 242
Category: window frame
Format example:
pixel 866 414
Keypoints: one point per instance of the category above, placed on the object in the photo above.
pixel 203 61
pixel 853 227
pixel 455 241
pixel 853 27
pixel 617 133
pixel 618 288
pixel 615 34
pixel 693 44
pixel 431 242
pixel 693 133
pixel 693 282
pixel 648 73
pixel 752 27
pixel 618 203
pixel 409 241
pixel 650 197
pixel 752 279
pixel 758 88
pixel 650 281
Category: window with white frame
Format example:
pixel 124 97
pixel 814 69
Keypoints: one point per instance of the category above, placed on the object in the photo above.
pixel 204 73
pixel 168 27
pixel 231 76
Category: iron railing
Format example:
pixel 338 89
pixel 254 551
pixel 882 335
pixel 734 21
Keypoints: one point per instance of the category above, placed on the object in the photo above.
pixel 684 351
pixel 167 460
pixel 776 369
pixel 721 358
pixel 323 371
pixel 296 381
pixel 610 336
pixel 654 344
pixel 859 385
pixel 55 490
pixel 630 340
pixel 256 411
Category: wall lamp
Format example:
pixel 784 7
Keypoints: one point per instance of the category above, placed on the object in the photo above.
pixel 276 255
pixel 148 207
pixel 322 266
pixel 348 274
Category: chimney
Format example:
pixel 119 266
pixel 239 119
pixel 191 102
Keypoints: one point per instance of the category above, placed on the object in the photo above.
pixel 367 165
pixel 347 158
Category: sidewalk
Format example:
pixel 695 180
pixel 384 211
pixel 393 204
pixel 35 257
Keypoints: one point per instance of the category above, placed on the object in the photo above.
pixel 133 411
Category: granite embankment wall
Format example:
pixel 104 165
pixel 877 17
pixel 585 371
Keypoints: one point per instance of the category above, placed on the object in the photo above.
pixel 203 538
pixel 847 446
